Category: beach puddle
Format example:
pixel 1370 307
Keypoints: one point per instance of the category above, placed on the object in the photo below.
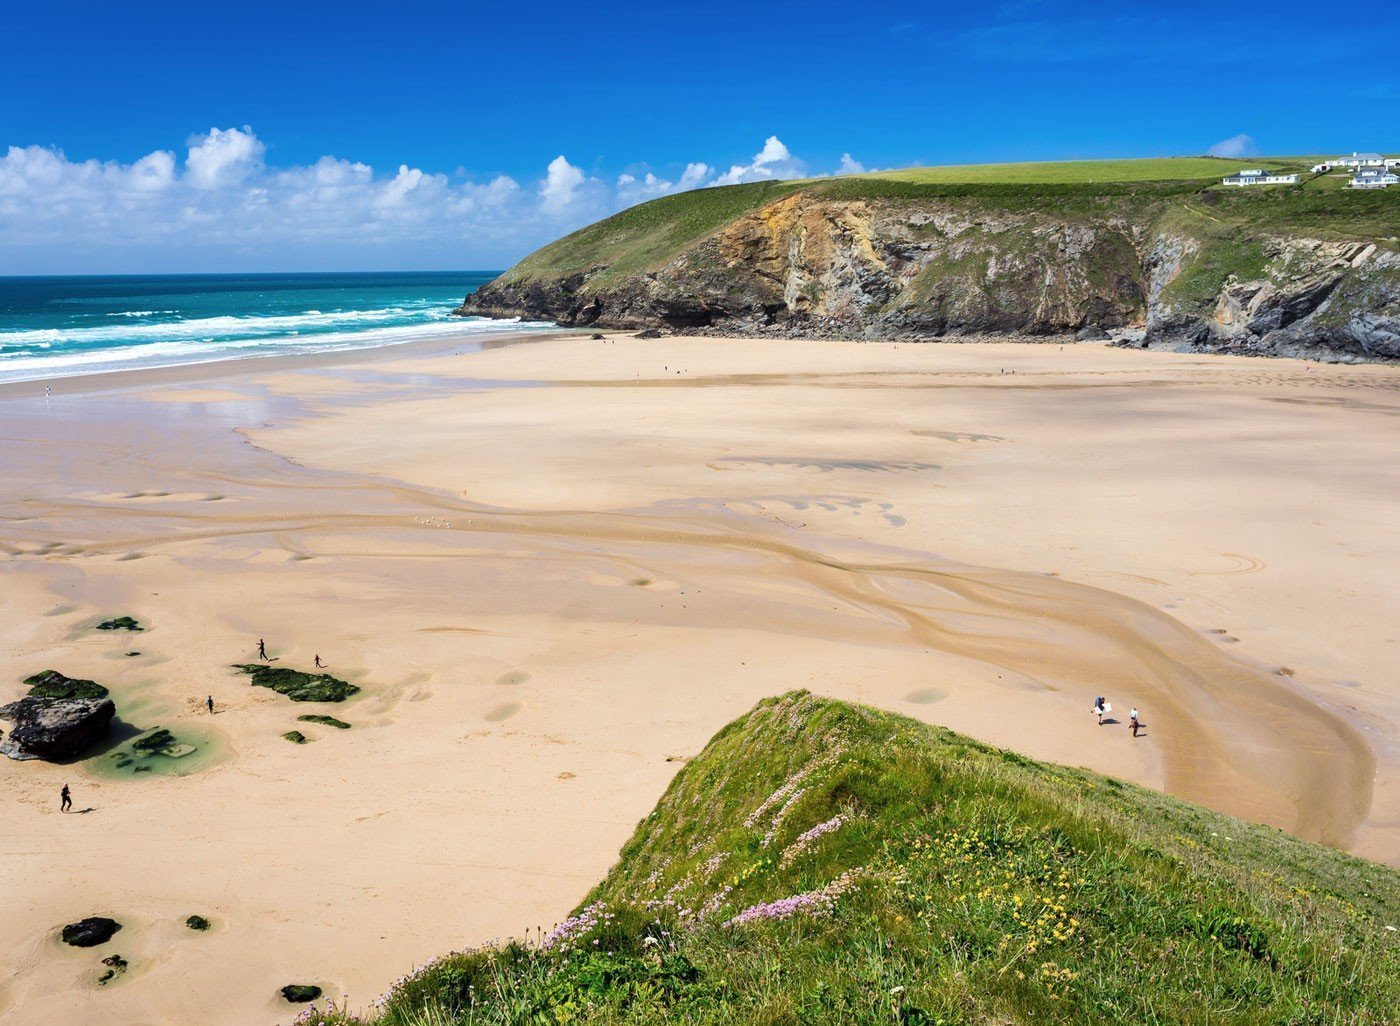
pixel 504 711
pixel 158 752
pixel 925 696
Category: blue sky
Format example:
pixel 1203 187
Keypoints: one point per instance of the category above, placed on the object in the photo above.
pixel 472 98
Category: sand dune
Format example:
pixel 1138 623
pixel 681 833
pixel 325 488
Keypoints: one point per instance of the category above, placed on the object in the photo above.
pixel 556 568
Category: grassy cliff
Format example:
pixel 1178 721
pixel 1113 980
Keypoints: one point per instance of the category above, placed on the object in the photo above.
pixel 1034 249
pixel 826 863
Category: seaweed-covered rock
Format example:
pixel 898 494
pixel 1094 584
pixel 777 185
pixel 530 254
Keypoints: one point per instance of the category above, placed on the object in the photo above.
pixel 296 737
pixel 54 729
pixel 157 740
pixel 298 685
pixel 197 923
pixel 116 966
pixel 325 721
pixel 300 993
pixel 53 685
pixel 90 932
pixel 120 623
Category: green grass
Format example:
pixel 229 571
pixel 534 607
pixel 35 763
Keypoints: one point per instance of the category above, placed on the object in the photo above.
pixel 650 233
pixel 1158 169
pixel 949 882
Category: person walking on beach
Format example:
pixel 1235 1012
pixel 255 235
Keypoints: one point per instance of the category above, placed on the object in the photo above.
pixel 210 703
pixel 1100 707
pixel 262 650
pixel 65 799
pixel 319 664
pixel 1133 720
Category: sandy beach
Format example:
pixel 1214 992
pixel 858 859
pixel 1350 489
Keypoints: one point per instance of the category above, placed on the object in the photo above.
pixel 556 568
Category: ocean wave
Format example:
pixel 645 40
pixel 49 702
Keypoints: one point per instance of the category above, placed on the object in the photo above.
pixel 138 313
pixel 231 327
pixel 20 366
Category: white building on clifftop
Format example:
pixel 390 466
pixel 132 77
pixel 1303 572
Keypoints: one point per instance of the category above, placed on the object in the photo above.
pixel 1374 178
pixel 1258 176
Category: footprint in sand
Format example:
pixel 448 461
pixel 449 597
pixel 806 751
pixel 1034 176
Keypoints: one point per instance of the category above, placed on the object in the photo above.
pixel 925 696
pixel 504 711
pixel 1239 565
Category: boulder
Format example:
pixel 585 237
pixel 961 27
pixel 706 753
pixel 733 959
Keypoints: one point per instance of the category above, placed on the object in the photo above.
pixel 54 729
pixel 648 333
pixel 90 932
pixel 1091 333
pixel 299 993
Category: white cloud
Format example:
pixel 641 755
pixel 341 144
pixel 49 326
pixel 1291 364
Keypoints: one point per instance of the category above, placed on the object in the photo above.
pixel 773 161
pixel 223 157
pixel 224 207
pixel 560 188
pixel 1236 146
pixel 850 166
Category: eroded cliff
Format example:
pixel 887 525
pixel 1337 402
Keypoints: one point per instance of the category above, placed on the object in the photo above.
pixel 1171 267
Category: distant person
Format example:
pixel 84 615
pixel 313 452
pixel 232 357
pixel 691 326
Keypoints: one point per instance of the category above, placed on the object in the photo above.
pixel 210 703
pixel 1101 706
pixel 319 664
pixel 262 650
pixel 1134 721
pixel 65 799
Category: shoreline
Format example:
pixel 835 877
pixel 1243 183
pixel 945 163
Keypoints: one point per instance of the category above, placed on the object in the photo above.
pixel 237 366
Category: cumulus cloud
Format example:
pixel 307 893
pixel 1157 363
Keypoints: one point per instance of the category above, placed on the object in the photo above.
pixel 223 206
pixel 773 161
pixel 223 157
pixel 850 166
pixel 1236 146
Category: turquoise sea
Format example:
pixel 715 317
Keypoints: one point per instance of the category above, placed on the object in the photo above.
pixel 51 327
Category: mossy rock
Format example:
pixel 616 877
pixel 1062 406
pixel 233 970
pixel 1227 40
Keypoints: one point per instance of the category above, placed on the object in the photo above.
pixel 54 686
pixel 120 623
pixel 300 993
pixel 325 721
pixel 155 741
pixel 297 685
pixel 116 966
pixel 197 923
pixel 296 737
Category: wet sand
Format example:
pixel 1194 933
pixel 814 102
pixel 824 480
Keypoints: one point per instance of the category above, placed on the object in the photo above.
pixel 554 567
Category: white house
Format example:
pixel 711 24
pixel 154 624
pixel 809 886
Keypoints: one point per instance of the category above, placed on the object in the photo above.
pixel 1374 178
pixel 1257 176
pixel 1318 169
pixel 1358 160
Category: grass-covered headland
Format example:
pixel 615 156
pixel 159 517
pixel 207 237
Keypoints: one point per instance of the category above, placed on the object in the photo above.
pixel 827 863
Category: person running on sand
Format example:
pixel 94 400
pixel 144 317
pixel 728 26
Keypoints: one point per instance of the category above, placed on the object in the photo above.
pixel 65 799
pixel 210 703
pixel 1133 720
pixel 319 664
pixel 262 650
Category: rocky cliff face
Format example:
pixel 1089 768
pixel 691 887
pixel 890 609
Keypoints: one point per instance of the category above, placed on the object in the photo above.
pixel 808 266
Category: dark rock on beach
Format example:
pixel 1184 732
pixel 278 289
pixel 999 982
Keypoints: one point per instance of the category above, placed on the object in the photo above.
pixel 298 685
pixel 300 993
pixel 120 623
pixel 58 719
pixel 90 932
